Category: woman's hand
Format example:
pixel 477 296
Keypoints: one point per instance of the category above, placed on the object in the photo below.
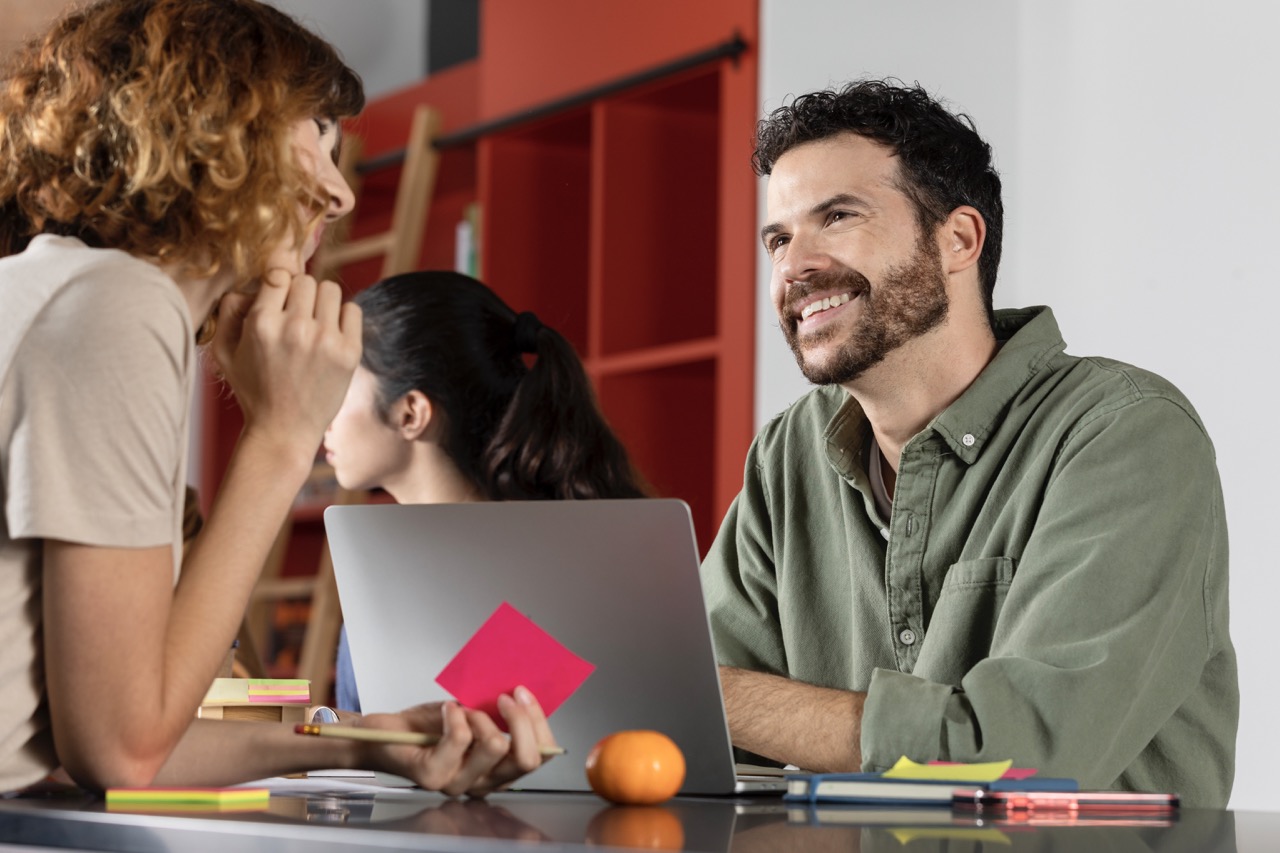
pixel 288 353
pixel 473 756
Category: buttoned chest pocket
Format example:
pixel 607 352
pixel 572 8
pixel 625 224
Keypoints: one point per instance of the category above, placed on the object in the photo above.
pixel 964 618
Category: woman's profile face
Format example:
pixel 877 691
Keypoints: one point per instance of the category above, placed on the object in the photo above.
pixel 365 451
pixel 316 140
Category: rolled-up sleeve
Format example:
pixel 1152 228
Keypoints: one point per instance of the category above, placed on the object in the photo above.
pixel 739 582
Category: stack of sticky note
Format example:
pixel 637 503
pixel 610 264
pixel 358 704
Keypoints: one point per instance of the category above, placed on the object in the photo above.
pixel 909 783
pixel 269 699
pixel 161 800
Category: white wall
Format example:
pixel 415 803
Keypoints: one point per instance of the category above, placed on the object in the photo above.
pixel 1138 146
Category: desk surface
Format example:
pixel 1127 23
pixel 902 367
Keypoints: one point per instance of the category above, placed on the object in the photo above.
pixel 319 823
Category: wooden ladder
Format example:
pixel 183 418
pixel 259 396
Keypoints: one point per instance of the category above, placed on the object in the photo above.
pixel 401 246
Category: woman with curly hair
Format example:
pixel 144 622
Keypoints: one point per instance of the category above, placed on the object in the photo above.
pixel 165 164
pixel 459 398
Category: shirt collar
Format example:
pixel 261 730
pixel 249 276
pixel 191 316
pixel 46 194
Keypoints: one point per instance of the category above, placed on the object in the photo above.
pixel 846 437
pixel 1029 337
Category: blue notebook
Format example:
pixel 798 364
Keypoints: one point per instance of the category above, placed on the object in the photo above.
pixel 875 788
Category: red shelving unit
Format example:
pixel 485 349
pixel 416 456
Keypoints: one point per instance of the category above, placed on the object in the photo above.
pixel 623 216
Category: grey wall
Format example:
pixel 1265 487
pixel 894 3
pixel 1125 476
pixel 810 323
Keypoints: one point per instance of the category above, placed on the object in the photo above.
pixel 1137 144
pixel 384 40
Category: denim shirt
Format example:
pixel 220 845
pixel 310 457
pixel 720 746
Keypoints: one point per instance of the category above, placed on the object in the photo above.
pixel 1051 587
pixel 346 694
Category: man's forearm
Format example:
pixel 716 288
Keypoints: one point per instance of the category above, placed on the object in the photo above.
pixel 814 728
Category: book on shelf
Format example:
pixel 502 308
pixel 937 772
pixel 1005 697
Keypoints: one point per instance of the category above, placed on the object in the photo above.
pixel 876 788
pixel 320 487
pixel 466 250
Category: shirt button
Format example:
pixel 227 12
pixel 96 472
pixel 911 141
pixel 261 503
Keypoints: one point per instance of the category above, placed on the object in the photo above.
pixel 967 439
pixel 884 531
pixel 908 637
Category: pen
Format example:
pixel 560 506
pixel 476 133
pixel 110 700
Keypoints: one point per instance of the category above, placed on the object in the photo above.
pixel 387 736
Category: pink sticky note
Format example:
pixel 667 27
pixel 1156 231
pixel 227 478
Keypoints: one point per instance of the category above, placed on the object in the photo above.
pixel 509 650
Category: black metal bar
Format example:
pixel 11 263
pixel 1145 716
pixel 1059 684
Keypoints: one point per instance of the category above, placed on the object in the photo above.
pixel 725 50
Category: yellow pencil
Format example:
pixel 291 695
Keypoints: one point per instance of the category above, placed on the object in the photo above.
pixel 386 736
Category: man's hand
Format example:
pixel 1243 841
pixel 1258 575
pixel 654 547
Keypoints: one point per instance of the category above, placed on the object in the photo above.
pixel 814 728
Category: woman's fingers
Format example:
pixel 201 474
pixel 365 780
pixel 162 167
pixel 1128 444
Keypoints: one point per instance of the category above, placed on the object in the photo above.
pixel 529 736
pixel 291 355
pixel 231 312
pixel 473 756
pixel 528 727
pixel 329 305
pixel 445 760
pixel 489 746
pixel 351 324
pixel 431 767
pixel 300 301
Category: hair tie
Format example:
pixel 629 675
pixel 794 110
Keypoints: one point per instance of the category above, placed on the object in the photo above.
pixel 527 327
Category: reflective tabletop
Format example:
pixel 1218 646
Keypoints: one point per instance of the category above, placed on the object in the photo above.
pixel 412 820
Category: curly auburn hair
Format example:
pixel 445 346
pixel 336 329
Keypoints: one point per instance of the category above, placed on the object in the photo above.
pixel 942 161
pixel 163 128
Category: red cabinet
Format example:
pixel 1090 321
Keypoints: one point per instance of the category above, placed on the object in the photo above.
pixel 623 215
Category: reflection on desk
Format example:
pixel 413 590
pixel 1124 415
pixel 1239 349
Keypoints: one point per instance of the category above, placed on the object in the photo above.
pixel 318 822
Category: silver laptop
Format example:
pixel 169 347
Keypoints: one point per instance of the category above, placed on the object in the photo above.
pixel 616 582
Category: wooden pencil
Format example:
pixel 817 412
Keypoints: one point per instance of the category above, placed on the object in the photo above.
pixel 386 736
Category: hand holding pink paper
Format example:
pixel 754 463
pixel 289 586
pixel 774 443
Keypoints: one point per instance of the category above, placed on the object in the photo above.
pixel 509 650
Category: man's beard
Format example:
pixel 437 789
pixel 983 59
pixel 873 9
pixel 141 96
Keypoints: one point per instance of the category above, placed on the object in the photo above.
pixel 908 302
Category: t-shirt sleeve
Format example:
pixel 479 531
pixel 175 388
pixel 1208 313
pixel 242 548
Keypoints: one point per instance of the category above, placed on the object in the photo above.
pixel 99 400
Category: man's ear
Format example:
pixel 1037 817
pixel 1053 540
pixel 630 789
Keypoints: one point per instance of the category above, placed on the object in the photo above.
pixel 961 238
pixel 412 415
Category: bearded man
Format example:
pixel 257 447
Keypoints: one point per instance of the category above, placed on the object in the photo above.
pixel 965 545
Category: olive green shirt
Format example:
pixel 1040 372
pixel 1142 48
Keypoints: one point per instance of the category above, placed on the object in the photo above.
pixel 1051 587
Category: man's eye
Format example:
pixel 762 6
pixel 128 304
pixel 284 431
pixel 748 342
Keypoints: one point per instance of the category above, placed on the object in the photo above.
pixel 838 216
pixel 777 243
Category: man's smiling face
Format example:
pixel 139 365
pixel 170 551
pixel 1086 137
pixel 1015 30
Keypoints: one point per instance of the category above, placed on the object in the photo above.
pixel 854 278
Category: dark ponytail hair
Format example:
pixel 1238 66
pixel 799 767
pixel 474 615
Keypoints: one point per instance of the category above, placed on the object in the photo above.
pixel 518 431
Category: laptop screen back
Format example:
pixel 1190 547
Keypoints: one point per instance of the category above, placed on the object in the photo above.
pixel 615 581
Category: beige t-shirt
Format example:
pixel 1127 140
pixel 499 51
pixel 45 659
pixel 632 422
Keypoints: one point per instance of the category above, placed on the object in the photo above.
pixel 97 368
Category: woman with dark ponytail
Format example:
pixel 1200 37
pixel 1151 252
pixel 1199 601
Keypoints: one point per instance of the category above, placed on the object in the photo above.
pixel 460 398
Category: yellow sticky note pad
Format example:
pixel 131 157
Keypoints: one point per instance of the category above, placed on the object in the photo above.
pixel 985 772
pixel 188 799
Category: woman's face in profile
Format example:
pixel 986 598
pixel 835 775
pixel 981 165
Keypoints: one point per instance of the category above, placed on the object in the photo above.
pixel 365 451
pixel 315 141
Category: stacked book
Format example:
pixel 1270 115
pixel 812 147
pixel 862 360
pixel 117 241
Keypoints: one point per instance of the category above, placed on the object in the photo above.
pixel 961 800
pixel 911 784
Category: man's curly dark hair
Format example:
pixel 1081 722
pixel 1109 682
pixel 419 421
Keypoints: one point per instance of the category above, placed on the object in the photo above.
pixel 942 161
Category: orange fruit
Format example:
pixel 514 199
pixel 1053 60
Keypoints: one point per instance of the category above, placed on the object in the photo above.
pixel 638 827
pixel 636 768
